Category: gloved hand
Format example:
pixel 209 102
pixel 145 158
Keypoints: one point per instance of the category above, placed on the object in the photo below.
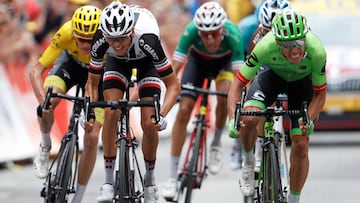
pixel 310 128
pixel 162 123
pixel 233 132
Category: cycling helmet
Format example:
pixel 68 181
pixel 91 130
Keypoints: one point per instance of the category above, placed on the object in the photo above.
pixel 79 2
pixel 117 20
pixel 209 17
pixel 269 8
pixel 289 25
pixel 85 21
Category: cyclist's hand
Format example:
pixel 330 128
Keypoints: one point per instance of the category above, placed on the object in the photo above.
pixel 162 124
pixel 233 132
pixel 43 112
pixel 306 129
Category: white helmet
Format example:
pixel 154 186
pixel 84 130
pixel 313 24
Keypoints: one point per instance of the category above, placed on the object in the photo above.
pixel 209 17
pixel 268 10
pixel 116 20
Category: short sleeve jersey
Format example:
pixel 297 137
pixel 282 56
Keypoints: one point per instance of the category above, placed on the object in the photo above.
pixel 231 44
pixel 63 40
pixel 268 52
pixel 145 43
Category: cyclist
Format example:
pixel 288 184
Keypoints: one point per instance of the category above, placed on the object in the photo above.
pixel 214 49
pixel 130 37
pixel 70 47
pixel 267 11
pixel 293 61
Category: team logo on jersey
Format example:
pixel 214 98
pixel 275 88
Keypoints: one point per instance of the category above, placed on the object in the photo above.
pixel 148 48
pixel 252 60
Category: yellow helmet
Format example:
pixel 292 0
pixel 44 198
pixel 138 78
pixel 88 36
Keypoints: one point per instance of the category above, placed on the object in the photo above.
pixel 79 2
pixel 85 21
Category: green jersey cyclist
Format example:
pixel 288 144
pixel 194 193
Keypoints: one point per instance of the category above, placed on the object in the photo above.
pixel 210 46
pixel 293 61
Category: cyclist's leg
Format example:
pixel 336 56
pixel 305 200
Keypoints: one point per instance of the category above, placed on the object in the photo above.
pixel 60 84
pixel 114 84
pixel 149 84
pixel 222 81
pixel 299 160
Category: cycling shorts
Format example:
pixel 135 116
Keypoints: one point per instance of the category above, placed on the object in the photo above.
pixel 267 85
pixel 118 73
pixel 198 68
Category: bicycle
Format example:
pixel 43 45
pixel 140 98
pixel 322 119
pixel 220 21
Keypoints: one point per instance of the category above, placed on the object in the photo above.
pixel 272 180
pixel 195 163
pixel 61 178
pixel 129 184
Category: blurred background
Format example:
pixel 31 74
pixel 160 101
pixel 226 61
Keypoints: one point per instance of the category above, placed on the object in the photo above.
pixel 27 26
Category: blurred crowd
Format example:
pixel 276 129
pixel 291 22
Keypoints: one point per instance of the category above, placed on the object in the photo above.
pixel 26 26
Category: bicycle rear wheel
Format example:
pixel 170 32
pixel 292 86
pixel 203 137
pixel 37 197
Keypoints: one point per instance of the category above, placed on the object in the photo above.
pixel 62 175
pixel 122 181
pixel 271 182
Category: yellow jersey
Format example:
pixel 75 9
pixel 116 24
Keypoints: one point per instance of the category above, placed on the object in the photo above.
pixel 63 40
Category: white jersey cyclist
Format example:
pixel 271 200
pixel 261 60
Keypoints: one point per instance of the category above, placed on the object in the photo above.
pixel 145 43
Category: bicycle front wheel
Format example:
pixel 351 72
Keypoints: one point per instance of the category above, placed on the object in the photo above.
pixel 63 171
pixel 191 166
pixel 271 186
pixel 122 181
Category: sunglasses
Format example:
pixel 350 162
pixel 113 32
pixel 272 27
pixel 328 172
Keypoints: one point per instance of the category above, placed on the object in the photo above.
pixel 291 44
pixel 82 40
pixel 213 34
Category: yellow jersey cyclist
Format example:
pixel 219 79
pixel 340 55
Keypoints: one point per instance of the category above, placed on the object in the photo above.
pixel 210 46
pixel 130 37
pixel 293 61
pixel 70 50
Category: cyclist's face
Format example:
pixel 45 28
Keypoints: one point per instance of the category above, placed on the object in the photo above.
pixel 293 50
pixel 120 45
pixel 84 44
pixel 212 39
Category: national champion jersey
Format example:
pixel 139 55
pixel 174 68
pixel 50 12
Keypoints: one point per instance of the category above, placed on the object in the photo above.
pixel 231 44
pixel 267 52
pixel 64 40
pixel 145 43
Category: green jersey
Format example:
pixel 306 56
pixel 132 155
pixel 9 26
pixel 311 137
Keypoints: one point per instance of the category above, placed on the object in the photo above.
pixel 267 52
pixel 231 44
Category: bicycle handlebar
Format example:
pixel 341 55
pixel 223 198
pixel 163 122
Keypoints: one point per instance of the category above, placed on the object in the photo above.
pixel 123 104
pixel 270 112
pixel 49 94
pixel 202 90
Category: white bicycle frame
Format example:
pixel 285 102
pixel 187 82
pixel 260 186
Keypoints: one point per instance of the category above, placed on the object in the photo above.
pixel 282 152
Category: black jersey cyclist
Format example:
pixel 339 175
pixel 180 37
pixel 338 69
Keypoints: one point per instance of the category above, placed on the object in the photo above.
pixel 129 35
pixel 70 50
pixel 210 46
pixel 293 60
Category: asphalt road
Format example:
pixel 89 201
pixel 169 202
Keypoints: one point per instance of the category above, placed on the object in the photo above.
pixel 333 177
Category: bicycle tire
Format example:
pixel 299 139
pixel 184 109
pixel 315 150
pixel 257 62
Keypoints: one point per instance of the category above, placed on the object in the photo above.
pixel 271 178
pixel 122 181
pixel 192 163
pixel 64 170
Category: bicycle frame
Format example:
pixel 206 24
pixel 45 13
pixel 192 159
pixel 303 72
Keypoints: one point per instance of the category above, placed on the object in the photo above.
pixel 194 168
pixel 129 184
pixel 61 179
pixel 269 186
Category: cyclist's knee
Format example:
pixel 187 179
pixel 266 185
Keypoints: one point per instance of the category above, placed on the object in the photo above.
pixel 91 140
pixel 300 146
pixel 250 121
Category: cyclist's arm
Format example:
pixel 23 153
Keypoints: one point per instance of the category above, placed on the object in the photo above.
pixel 177 65
pixel 234 95
pixel 172 92
pixel 92 85
pixel 316 105
pixel 35 76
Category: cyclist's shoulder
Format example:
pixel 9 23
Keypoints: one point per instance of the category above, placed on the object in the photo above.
pixel 314 46
pixel 63 37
